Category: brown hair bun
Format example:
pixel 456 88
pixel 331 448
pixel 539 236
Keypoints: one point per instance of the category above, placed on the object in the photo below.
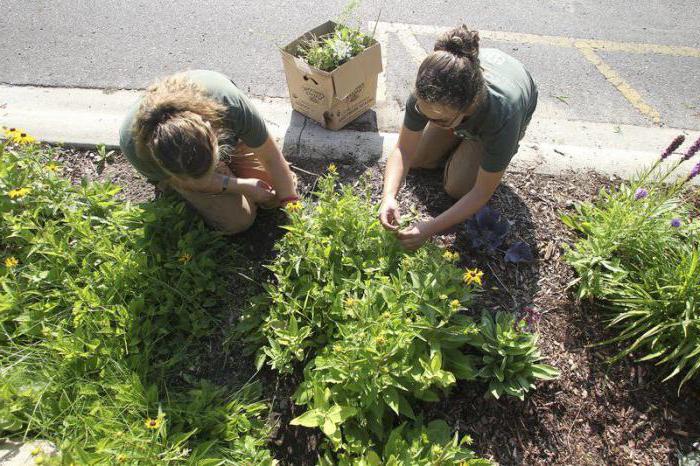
pixel 460 42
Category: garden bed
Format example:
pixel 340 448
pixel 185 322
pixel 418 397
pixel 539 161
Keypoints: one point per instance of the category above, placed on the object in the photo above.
pixel 593 413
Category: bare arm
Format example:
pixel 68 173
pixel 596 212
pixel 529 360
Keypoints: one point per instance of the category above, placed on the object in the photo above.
pixel 397 166
pixel 275 164
pixel 470 203
pixel 399 161
pixel 486 184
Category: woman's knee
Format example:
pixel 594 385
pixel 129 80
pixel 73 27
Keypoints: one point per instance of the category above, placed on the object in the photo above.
pixel 237 224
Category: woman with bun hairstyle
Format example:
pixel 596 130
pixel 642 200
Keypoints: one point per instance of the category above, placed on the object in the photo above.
pixel 197 133
pixel 469 110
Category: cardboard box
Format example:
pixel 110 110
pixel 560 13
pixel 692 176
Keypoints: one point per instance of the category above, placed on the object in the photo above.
pixel 334 98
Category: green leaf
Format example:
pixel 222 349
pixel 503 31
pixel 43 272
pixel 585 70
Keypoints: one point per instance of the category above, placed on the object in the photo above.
pixel 391 398
pixel 311 418
pixel 544 372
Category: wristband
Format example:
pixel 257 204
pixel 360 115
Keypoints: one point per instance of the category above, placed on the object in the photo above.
pixel 289 199
pixel 224 184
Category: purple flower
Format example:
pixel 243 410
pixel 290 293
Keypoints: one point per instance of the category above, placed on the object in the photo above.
pixel 641 193
pixel 676 222
pixel 693 149
pixel 694 172
pixel 674 145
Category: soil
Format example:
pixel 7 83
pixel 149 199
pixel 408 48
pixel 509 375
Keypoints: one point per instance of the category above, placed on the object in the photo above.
pixel 594 413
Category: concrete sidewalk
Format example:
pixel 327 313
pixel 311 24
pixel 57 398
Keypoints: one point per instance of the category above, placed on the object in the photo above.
pixel 86 117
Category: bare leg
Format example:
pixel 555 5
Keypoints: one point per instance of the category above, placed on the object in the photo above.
pixel 462 168
pixel 231 212
pixel 435 144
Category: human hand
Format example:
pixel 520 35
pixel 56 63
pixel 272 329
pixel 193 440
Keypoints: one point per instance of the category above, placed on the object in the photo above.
pixel 389 214
pixel 257 191
pixel 415 235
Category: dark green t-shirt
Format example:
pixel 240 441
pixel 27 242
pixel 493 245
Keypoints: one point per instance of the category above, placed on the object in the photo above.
pixel 242 121
pixel 506 112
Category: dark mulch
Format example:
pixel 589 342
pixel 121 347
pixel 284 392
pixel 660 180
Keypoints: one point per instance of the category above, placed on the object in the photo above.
pixel 593 414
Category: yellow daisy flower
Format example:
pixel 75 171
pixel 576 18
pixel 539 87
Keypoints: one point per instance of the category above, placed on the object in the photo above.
pixel 52 167
pixel 10 133
pixel 472 276
pixel 350 302
pixel 11 262
pixel 18 193
pixel 185 258
pixel 293 206
pixel 455 304
pixel 332 169
pixel 23 139
pixel 153 424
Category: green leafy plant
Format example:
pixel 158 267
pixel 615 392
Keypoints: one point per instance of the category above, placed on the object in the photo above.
pixel 639 254
pixel 415 444
pixel 376 327
pixel 104 309
pixel 329 51
pixel 510 361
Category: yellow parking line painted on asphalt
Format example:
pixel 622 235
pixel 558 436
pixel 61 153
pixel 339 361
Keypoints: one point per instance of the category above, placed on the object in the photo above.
pixel 620 84
pixel 414 48
pixel 557 41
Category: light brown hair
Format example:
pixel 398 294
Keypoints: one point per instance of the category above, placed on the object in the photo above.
pixel 451 75
pixel 179 125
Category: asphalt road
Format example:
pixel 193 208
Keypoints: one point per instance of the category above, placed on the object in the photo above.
pixel 127 44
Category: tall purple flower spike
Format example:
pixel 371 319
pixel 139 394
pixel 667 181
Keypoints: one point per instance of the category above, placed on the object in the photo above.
pixel 692 151
pixel 673 146
pixel 641 193
pixel 694 172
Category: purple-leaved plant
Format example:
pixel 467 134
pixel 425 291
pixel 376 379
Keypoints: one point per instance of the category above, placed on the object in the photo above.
pixel 487 229
pixel 519 252
pixel 530 316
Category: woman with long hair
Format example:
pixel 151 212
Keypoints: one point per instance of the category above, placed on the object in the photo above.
pixel 469 110
pixel 197 133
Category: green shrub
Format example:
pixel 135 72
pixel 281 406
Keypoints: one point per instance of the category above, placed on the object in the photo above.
pixel 103 307
pixel 378 328
pixel 639 254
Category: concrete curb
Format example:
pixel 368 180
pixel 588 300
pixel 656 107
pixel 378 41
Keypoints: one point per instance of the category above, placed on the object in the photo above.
pixel 86 117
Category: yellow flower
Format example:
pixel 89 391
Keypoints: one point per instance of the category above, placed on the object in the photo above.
pixel 472 276
pixel 18 193
pixel 121 458
pixel 153 423
pixel 23 138
pixel 451 256
pixel 443 297
pixel 380 340
pixel 185 258
pixel 11 262
pixel 332 169
pixel 293 206
pixel 455 304
pixel 39 460
pixel 10 133
pixel 349 302
pixel 36 451
pixel 52 167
